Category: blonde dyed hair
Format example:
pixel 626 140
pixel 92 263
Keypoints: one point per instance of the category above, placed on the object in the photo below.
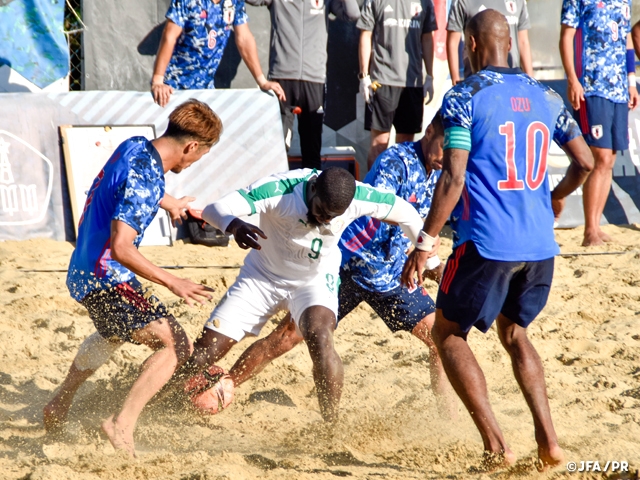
pixel 194 120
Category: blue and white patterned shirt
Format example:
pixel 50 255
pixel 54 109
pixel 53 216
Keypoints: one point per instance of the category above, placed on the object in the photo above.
pixel 374 251
pixel 206 27
pixel 128 188
pixel 600 45
pixel 506 120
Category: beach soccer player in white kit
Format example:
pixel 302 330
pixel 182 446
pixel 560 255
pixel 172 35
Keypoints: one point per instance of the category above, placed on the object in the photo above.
pixel 294 264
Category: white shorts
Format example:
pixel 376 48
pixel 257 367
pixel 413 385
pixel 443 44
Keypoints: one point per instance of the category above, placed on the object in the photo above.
pixel 253 299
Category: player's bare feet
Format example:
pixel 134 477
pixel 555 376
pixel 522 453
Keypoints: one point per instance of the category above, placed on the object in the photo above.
pixel 121 438
pixel 549 457
pixel 604 237
pixel 55 415
pixel 592 239
pixel 492 461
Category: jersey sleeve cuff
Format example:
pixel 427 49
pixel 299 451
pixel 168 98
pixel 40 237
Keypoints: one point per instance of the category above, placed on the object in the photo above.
pixel 457 137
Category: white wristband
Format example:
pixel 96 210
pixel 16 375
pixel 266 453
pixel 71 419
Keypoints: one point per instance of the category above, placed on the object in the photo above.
pixel 432 263
pixel 632 80
pixel 425 242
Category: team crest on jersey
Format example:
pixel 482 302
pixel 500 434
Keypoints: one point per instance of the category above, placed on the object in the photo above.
pixel 596 131
pixel 317 4
pixel 415 9
pixel 511 6
pixel 228 12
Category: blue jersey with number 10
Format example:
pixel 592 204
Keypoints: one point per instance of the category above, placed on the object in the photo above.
pixel 506 120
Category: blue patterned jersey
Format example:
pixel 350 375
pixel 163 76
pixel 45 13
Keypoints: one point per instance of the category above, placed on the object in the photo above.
pixel 600 45
pixel 206 27
pixel 128 188
pixel 507 119
pixel 375 251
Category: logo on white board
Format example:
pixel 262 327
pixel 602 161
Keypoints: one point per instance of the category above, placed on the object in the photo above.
pixel 25 185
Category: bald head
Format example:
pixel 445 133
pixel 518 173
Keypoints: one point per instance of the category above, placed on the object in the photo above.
pixel 488 39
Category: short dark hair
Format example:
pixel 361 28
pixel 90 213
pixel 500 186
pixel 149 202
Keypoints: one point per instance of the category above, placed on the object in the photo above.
pixel 194 120
pixel 336 187
pixel 437 123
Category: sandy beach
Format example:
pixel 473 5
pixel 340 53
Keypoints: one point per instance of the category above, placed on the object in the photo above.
pixel 588 337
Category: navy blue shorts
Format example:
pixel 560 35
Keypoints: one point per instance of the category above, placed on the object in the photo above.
pixel 474 290
pixel 121 310
pixel 398 308
pixel 604 124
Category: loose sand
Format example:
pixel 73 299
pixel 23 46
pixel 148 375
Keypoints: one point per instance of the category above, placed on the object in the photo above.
pixel 588 337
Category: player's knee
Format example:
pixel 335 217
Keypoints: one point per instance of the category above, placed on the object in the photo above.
pixel 183 350
pixel 175 338
pixel 513 337
pixel 438 333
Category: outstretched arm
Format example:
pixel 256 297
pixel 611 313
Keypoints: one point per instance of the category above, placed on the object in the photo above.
pixel 246 44
pixel 124 252
pixel 176 207
pixel 224 214
pixel 453 45
pixel 161 92
pixel 445 198
pixel 525 52
pixel 578 171
pixel 575 92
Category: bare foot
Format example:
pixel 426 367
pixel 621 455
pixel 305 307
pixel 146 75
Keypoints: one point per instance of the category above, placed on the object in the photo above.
pixel 492 461
pixel 604 237
pixel 119 437
pixel 591 239
pixel 54 415
pixel 549 457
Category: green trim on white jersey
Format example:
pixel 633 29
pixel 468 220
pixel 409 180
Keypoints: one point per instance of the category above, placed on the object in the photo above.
pixel 367 194
pixel 273 189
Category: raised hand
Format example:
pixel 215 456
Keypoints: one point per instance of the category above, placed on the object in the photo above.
pixel 246 235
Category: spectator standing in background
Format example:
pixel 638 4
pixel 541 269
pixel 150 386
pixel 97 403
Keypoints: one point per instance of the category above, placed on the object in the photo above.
pixel 518 17
pixel 193 42
pixel 396 37
pixel 598 58
pixel 298 62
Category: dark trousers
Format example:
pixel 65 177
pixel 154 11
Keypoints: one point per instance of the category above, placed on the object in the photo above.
pixel 309 97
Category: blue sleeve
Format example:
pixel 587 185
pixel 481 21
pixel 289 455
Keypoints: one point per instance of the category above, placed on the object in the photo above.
pixel 388 172
pixel 570 15
pixel 456 108
pixel 138 195
pixel 178 12
pixel 566 127
pixel 241 16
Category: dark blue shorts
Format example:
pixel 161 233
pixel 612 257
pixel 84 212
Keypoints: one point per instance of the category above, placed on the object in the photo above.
pixel 604 124
pixel 121 310
pixel 398 308
pixel 474 290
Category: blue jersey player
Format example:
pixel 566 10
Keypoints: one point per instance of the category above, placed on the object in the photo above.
pixel 121 203
pixel 598 58
pixel 193 42
pixel 499 124
pixel 373 254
